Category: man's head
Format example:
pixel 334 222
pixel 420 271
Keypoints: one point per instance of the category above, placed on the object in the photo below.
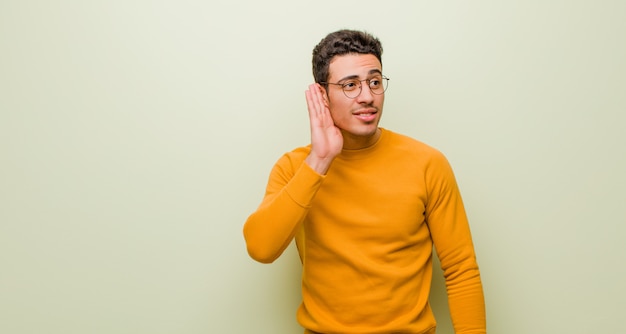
pixel 347 66
pixel 339 43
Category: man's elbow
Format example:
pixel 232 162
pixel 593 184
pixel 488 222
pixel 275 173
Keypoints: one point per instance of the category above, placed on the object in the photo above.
pixel 260 246
pixel 261 254
pixel 257 249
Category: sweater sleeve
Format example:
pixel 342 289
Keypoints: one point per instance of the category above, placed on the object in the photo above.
pixel 291 187
pixel 447 220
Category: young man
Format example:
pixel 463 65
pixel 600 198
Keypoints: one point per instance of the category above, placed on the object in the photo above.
pixel 365 206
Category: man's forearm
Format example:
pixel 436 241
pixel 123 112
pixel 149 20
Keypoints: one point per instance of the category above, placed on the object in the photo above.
pixel 270 229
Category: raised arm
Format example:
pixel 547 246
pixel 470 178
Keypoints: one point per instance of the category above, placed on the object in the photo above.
pixel 293 184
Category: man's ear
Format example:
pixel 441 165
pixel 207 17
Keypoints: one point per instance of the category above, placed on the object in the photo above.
pixel 325 96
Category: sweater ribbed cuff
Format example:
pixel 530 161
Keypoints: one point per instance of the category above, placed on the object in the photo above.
pixel 304 185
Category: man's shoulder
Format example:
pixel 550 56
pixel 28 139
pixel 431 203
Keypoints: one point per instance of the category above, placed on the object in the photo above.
pixel 408 143
pixel 299 152
pixel 295 157
pixel 417 153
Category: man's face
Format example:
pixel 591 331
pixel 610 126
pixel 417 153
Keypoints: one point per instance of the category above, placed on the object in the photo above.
pixel 358 117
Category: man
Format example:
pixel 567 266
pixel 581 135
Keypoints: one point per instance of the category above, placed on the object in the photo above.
pixel 365 206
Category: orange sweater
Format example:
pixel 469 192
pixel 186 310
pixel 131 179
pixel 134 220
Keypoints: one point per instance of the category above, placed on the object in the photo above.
pixel 365 233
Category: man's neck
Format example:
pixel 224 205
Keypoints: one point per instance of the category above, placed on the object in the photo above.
pixel 353 142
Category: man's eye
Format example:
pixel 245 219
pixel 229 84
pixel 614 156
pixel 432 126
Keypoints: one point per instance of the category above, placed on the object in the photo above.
pixel 350 85
pixel 375 83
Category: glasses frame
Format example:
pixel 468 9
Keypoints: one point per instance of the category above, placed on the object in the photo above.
pixel 385 83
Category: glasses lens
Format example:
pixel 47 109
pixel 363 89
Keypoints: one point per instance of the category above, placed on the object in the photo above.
pixel 378 85
pixel 353 88
pixel 352 93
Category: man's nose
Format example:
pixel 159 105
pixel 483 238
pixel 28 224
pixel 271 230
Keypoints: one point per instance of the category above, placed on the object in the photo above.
pixel 366 95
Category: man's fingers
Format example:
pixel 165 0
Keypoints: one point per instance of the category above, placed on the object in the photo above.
pixel 314 100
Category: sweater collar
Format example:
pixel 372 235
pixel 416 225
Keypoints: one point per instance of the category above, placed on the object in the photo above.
pixel 367 151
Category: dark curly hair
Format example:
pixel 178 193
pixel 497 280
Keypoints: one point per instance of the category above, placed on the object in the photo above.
pixel 340 43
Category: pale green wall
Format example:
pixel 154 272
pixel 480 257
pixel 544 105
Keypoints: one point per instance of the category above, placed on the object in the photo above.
pixel 136 137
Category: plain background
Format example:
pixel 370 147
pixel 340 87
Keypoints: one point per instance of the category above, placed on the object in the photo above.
pixel 136 137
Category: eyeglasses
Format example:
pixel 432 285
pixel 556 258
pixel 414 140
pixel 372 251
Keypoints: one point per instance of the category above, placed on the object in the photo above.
pixel 352 87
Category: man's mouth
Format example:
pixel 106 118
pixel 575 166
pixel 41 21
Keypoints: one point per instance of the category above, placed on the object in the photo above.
pixel 366 115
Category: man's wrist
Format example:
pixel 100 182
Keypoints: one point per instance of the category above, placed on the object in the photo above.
pixel 319 165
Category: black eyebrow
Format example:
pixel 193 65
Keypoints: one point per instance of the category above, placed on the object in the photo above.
pixel 354 76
